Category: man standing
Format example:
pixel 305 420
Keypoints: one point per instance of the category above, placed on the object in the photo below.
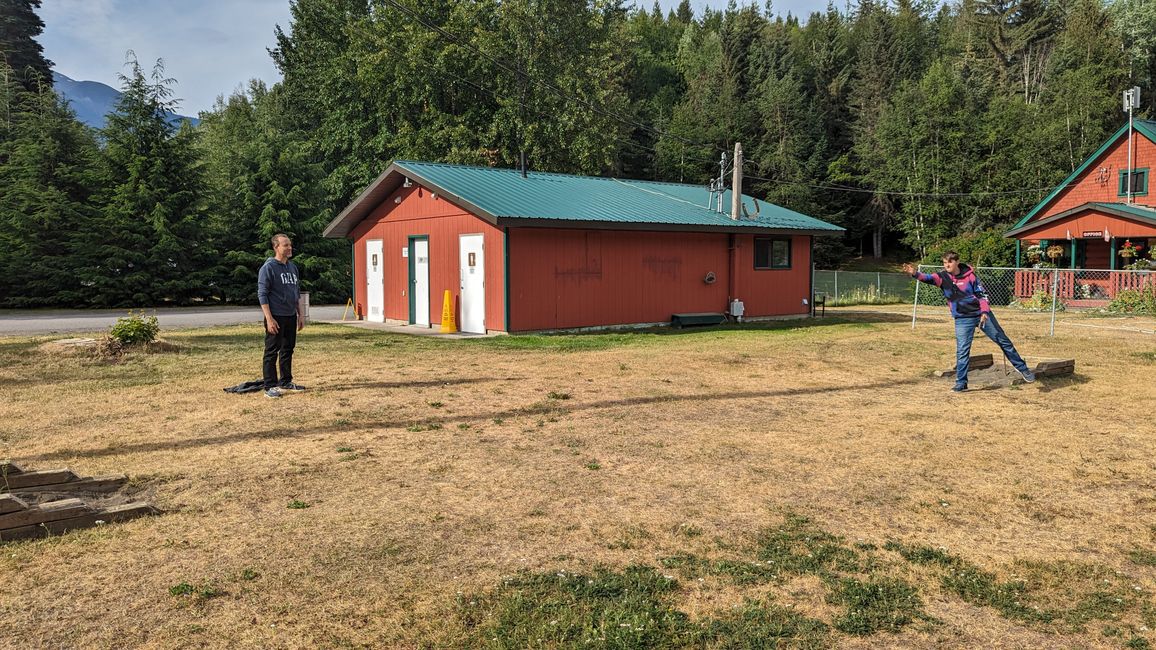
pixel 278 293
pixel 968 302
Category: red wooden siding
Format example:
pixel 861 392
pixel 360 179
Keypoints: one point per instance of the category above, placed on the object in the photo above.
pixel 419 213
pixel 773 292
pixel 563 278
pixel 1091 187
pixel 1092 220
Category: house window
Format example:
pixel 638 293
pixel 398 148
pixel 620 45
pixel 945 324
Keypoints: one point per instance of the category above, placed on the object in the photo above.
pixel 1139 182
pixel 772 253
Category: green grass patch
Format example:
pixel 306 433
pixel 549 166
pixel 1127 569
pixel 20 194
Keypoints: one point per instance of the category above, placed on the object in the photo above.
pixel 1142 557
pixel 1067 595
pixel 633 608
pixel 875 605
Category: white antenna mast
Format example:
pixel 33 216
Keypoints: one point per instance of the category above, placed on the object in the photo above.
pixel 1131 102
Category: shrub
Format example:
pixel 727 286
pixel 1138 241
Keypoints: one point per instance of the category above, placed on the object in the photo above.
pixel 1135 301
pixel 135 328
pixel 1040 301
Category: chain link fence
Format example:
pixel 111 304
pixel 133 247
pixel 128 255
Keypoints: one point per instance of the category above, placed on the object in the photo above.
pixel 1049 291
pixel 844 288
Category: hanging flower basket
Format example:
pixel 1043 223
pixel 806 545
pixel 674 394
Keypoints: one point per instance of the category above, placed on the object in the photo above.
pixel 1055 252
pixel 1129 250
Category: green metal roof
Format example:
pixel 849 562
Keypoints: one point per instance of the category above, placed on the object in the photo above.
pixel 503 195
pixel 1147 128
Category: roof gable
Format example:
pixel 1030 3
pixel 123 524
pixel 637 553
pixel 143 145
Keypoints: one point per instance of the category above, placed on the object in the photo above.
pixel 503 194
pixel 1135 213
pixel 1145 128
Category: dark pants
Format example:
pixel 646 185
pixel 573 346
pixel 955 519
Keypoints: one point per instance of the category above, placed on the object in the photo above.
pixel 279 351
pixel 965 332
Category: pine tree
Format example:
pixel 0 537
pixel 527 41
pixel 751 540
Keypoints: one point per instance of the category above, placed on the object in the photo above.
pixel 19 49
pixel 259 182
pixel 148 248
pixel 46 189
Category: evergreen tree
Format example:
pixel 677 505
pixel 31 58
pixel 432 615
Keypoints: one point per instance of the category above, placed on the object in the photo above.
pixel 259 182
pixel 19 49
pixel 147 248
pixel 46 189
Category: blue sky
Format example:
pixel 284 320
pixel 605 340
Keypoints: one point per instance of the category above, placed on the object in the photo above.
pixel 211 47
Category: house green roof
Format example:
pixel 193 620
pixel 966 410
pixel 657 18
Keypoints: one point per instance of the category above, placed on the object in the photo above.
pixel 1146 128
pixel 504 197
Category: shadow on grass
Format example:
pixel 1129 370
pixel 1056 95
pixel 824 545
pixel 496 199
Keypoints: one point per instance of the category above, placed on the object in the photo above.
pixel 385 385
pixel 532 410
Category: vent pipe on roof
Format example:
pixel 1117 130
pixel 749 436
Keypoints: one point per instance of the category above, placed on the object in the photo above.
pixel 737 184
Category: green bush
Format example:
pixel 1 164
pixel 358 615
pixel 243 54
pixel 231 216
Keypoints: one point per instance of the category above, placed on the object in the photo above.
pixel 1135 301
pixel 1040 301
pixel 135 328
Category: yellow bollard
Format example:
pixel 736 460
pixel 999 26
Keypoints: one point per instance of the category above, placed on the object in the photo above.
pixel 449 323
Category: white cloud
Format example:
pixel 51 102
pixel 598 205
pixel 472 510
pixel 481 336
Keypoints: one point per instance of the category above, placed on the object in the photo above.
pixel 210 47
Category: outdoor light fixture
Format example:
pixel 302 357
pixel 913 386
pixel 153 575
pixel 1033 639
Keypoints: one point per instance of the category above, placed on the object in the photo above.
pixel 407 183
pixel 397 199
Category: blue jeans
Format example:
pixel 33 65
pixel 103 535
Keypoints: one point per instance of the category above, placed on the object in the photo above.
pixel 965 332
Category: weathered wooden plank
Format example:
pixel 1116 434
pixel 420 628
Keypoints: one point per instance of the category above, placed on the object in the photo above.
pixel 977 362
pixel 108 516
pixel 15 482
pixel 8 467
pixel 981 361
pixel 1055 371
pixel 110 483
pixel 10 503
pixel 51 511
pixel 1045 366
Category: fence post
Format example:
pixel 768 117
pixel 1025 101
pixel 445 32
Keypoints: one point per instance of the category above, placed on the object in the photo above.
pixel 879 285
pixel 915 305
pixel 836 288
pixel 1055 286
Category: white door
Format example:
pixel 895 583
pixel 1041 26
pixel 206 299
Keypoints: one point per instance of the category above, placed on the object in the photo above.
pixel 421 282
pixel 375 281
pixel 473 271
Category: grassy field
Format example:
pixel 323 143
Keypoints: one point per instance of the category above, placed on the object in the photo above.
pixel 807 484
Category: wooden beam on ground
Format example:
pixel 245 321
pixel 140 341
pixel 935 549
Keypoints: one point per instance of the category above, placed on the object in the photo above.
pixel 14 482
pixel 1055 367
pixel 52 511
pixel 8 467
pixel 977 362
pixel 9 503
pixel 109 515
pixel 110 483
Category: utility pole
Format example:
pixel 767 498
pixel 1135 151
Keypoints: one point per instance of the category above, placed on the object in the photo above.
pixel 737 184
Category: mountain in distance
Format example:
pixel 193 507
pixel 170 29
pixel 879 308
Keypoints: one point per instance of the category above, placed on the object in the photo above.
pixel 93 100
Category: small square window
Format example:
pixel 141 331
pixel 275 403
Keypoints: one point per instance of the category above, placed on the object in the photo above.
pixel 1139 183
pixel 772 253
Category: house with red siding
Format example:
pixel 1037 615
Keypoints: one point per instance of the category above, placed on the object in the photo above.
pixel 1103 204
pixel 540 251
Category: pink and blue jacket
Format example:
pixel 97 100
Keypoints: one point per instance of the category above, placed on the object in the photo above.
pixel 964 292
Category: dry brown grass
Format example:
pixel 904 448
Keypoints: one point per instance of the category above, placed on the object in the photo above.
pixel 434 467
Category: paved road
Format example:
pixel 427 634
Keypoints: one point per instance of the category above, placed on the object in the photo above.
pixel 51 321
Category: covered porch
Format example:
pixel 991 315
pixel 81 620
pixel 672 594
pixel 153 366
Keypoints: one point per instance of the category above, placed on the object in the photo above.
pixel 1094 242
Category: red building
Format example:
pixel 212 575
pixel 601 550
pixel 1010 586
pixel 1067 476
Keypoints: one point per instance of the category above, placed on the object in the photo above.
pixel 1095 210
pixel 555 251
